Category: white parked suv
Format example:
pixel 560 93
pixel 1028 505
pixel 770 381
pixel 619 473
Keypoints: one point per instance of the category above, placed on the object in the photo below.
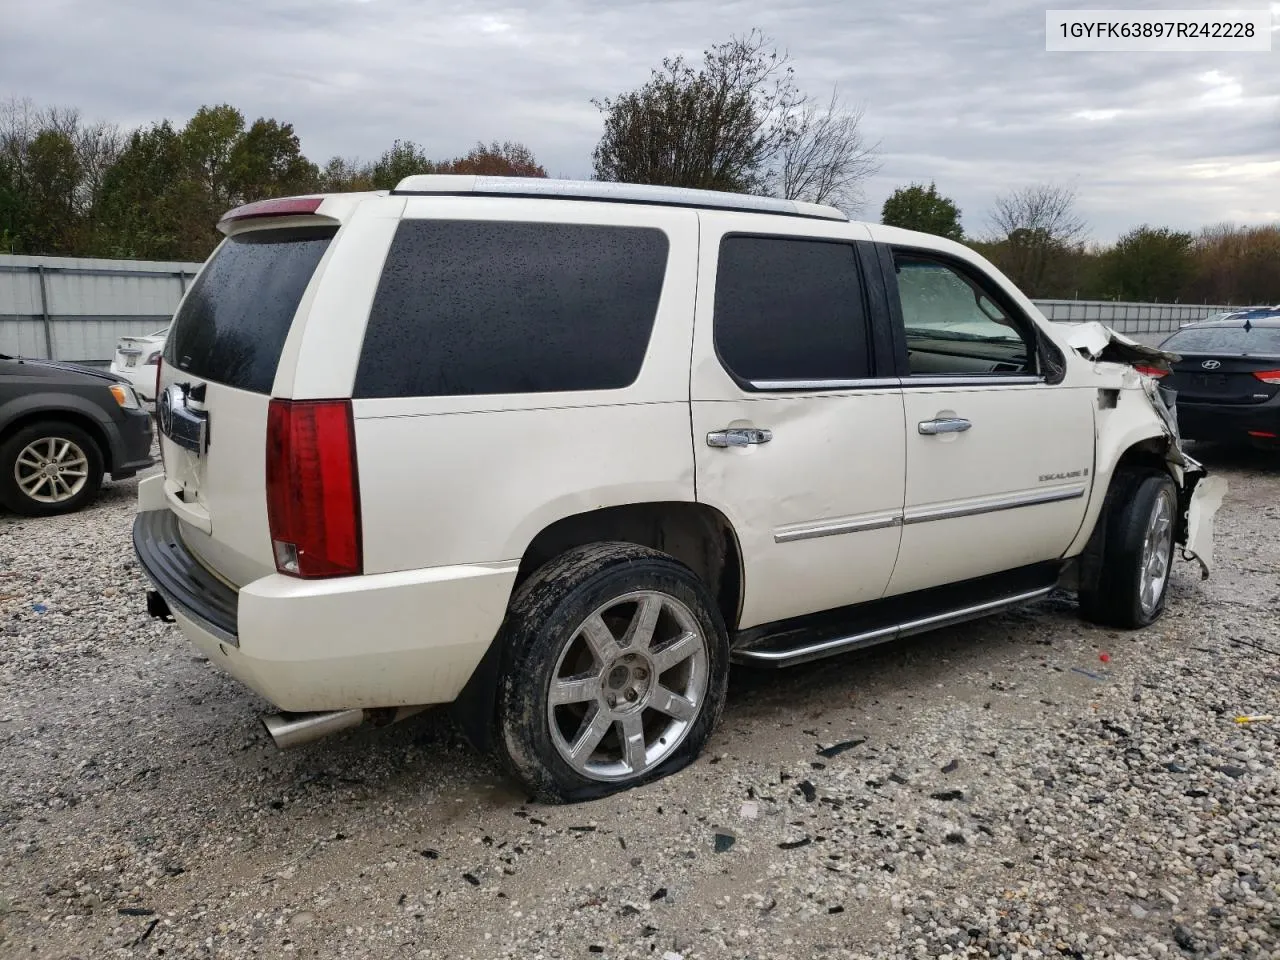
pixel 558 453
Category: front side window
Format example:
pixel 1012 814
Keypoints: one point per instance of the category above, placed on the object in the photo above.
pixel 953 327
pixel 790 310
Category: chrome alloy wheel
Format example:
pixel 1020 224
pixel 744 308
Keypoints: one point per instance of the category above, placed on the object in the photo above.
pixel 1157 553
pixel 51 470
pixel 628 686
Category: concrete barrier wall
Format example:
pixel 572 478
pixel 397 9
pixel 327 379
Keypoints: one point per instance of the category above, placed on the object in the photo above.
pixel 1130 318
pixel 75 309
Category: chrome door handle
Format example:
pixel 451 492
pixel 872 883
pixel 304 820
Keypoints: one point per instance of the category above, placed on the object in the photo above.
pixel 738 437
pixel 930 428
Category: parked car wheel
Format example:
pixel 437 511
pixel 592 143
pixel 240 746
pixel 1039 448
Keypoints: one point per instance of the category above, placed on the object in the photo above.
pixel 616 662
pixel 1137 553
pixel 49 467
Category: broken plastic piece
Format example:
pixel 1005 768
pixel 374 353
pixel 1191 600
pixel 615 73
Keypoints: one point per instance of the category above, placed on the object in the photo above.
pixel 1096 341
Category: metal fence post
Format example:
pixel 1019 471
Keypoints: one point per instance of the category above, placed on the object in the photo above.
pixel 44 312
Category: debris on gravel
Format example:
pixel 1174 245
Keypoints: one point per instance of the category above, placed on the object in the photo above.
pixel 991 790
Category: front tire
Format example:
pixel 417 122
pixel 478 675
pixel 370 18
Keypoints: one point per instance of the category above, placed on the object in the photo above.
pixel 615 666
pixel 49 467
pixel 1137 553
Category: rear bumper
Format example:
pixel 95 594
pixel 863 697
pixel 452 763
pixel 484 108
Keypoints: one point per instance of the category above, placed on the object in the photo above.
pixel 1227 421
pixel 189 589
pixel 380 640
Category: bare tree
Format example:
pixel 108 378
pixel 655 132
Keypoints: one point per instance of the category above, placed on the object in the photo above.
pixel 717 126
pixel 1035 230
pixel 19 124
pixel 1045 211
pixel 98 145
pixel 824 157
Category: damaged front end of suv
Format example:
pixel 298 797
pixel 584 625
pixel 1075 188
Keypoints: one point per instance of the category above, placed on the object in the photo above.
pixel 1119 363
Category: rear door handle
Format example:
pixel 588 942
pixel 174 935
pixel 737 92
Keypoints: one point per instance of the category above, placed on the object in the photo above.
pixel 738 437
pixel 930 428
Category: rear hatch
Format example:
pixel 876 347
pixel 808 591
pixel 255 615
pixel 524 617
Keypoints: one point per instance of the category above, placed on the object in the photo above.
pixel 1238 364
pixel 217 375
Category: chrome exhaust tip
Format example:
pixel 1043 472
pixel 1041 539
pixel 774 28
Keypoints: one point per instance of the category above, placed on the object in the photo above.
pixel 294 729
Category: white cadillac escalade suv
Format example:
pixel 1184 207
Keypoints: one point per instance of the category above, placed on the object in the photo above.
pixel 558 453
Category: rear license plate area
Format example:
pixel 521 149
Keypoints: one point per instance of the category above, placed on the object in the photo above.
pixel 1211 382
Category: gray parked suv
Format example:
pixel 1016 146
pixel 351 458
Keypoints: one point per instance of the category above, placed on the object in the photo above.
pixel 61 428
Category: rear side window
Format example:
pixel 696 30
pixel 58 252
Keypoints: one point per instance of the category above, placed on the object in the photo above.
pixel 480 307
pixel 1258 341
pixel 790 310
pixel 232 326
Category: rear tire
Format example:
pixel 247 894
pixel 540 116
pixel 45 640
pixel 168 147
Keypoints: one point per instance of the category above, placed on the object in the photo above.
pixel 615 662
pixel 1132 582
pixel 49 467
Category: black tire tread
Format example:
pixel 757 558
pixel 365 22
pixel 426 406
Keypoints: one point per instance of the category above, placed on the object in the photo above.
pixel 1112 599
pixel 533 606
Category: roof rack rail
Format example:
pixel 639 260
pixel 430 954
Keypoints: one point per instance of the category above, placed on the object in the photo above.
pixel 527 187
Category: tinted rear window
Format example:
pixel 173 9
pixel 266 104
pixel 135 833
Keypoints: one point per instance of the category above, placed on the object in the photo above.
pixel 476 307
pixel 1263 341
pixel 232 326
pixel 790 310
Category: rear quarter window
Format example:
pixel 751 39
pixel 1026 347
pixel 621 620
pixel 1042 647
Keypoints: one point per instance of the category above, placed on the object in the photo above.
pixel 232 326
pixel 485 307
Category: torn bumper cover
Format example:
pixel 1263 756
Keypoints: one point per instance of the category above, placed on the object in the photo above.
pixel 1200 495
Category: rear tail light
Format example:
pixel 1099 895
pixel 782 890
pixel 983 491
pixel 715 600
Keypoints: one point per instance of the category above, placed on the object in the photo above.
pixel 1262 434
pixel 154 358
pixel 313 496
pixel 1268 376
pixel 159 364
pixel 1151 371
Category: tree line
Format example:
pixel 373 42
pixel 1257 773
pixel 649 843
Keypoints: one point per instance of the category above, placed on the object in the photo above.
pixel 69 187
pixel 736 119
pixel 1034 235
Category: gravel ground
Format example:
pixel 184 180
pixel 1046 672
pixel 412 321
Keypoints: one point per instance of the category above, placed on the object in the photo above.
pixel 991 790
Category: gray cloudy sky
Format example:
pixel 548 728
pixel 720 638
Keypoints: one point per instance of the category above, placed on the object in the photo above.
pixel 962 93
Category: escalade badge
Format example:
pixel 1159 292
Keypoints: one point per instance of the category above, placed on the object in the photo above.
pixel 1046 477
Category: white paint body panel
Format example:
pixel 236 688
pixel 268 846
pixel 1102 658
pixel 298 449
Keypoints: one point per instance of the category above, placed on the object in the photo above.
pixel 1019 435
pixel 471 487
pixel 371 641
pixel 836 458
